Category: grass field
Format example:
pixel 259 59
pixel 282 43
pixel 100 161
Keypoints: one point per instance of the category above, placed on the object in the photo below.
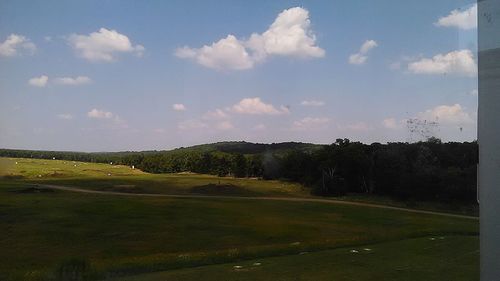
pixel 50 235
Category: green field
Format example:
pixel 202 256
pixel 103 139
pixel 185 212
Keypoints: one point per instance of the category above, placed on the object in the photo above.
pixel 54 235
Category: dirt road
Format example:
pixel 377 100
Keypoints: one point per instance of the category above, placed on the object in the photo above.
pixel 288 199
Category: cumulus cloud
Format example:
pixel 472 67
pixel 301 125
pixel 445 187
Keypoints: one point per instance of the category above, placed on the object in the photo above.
pixel 103 45
pixel 99 114
pixel 178 107
pixel 447 114
pixel 463 19
pixel 459 62
pixel 215 115
pixel 65 116
pixel 312 103
pixel 39 81
pixel 289 35
pixel 224 125
pixel 391 123
pixel 257 106
pixel 227 53
pixel 16 44
pixel 362 55
pixel 310 123
pixel 79 80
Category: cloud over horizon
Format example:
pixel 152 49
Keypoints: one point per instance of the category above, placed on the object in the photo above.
pixel 447 114
pixel 256 106
pixel 99 114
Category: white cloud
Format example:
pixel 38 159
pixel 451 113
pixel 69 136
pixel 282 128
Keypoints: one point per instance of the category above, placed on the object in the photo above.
pixel 361 56
pixel 357 59
pixel 367 46
pixel 312 103
pixel 289 35
pixel 224 125
pixel 310 123
pixel 256 106
pixel 391 123
pixel 103 45
pixel 459 62
pixel 65 116
pixel 79 80
pixel 178 107
pixel 447 114
pixel 100 114
pixel 463 19
pixel 215 115
pixel 191 125
pixel 16 44
pixel 227 53
pixel 39 81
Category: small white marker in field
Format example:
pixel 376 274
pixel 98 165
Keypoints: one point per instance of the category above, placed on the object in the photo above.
pixel 75 165
pixel 53 158
pixel 133 167
pixel 109 174
pixel 354 251
pixel 256 263
pixel 237 267
pixel 432 238
pixel 367 249
pixel 16 163
pixel 110 163
pixel 39 176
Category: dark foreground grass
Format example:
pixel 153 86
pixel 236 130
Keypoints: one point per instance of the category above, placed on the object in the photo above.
pixel 431 259
pixel 43 232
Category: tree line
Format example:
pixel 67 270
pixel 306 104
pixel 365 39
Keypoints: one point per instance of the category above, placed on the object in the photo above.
pixel 430 170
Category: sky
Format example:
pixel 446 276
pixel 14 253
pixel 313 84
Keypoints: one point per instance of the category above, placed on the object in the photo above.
pixel 151 75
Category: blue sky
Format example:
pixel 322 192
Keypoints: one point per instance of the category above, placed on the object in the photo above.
pixel 136 75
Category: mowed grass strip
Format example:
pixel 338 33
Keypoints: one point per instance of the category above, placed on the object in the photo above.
pixel 429 258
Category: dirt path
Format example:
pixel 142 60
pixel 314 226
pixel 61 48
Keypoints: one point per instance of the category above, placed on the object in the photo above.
pixel 288 199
